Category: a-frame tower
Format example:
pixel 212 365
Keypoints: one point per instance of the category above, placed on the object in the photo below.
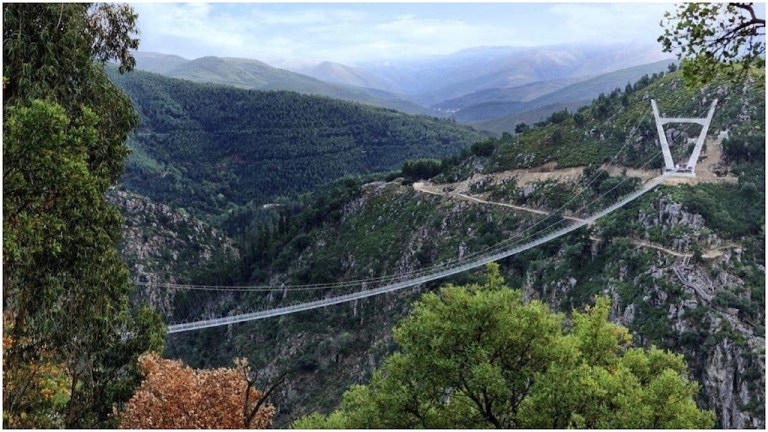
pixel 690 167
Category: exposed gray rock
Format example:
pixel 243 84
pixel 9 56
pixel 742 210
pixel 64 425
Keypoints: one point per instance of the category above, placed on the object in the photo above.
pixel 162 244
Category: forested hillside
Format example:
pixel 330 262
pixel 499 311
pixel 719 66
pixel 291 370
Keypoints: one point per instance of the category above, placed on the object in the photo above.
pixel 256 75
pixel 207 147
pixel 708 307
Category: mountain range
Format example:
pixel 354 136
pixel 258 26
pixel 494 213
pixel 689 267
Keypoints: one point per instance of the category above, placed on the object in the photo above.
pixel 254 74
pixel 484 84
pixel 436 79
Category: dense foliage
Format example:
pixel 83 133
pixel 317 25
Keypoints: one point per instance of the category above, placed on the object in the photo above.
pixel 206 147
pixel 175 396
pixel 479 357
pixel 715 39
pixel 65 290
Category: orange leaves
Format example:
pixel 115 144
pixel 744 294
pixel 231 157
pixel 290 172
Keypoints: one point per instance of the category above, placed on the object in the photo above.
pixel 35 390
pixel 174 396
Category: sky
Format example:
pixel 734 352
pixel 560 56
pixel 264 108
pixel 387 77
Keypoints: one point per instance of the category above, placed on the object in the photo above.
pixel 355 33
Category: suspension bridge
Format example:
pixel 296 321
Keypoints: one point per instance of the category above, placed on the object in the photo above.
pixel 375 286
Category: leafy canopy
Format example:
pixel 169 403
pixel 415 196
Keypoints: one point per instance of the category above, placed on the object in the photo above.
pixel 715 39
pixel 175 396
pixel 66 289
pixel 478 356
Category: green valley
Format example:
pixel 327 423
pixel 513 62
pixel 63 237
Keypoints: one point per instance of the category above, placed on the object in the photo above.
pixel 208 147
pixel 227 244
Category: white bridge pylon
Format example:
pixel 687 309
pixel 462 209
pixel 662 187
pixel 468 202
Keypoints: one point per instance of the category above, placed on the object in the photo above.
pixel 661 121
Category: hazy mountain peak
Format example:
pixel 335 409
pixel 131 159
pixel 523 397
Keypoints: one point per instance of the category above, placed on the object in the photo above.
pixel 338 73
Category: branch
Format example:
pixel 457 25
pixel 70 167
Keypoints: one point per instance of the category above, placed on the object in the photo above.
pixel 740 27
pixel 263 398
pixel 749 8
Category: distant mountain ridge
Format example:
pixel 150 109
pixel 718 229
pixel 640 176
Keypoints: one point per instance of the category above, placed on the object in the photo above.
pixel 481 86
pixel 337 73
pixel 255 74
pixel 434 80
pixel 571 96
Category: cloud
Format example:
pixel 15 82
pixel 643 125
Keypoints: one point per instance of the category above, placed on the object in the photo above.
pixel 189 25
pixel 608 22
pixel 351 33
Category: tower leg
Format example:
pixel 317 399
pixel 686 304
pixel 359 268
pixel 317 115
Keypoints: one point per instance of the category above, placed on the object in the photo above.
pixel 668 162
pixel 702 137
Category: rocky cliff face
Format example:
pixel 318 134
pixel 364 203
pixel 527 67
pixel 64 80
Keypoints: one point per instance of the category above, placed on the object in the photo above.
pixel 675 281
pixel 166 245
pixel 707 306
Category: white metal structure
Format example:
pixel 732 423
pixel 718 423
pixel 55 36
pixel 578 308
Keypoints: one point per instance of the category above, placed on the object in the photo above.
pixel 661 121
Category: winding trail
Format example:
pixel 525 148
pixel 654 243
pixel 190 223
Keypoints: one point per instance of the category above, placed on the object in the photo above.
pixel 428 188
pixel 425 187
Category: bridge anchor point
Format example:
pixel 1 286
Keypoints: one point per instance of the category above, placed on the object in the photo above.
pixel 688 169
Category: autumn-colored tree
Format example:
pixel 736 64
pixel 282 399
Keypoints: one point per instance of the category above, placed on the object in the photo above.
pixel 41 388
pixel 175 396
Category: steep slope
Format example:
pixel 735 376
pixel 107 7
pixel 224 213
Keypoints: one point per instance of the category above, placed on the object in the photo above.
pixel 497 104
pixel 433 80
pixel 253 74
pixel 206 147
pixel 709 307
pixel 161 243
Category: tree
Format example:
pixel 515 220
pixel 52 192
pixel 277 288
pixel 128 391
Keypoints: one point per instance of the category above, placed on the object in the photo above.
pixel 422 168
pixel 41 388
pixel 175 396
pixel 715 39
pixel 66 288
pixel 479 357
pixel 521 128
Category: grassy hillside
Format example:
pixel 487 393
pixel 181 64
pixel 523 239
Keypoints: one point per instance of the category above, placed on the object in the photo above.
pixel 208 147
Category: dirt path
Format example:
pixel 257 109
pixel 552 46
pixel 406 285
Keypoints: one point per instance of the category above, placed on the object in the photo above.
pixel 430 189
pixel 440 190
pixel 643 243
pixel 433 189
pixel 705 172
pixel 705 168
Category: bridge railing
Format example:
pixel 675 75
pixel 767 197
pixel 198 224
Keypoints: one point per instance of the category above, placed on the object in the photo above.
pixel 214 322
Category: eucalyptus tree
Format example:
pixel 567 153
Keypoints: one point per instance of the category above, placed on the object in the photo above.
pixel 66 289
